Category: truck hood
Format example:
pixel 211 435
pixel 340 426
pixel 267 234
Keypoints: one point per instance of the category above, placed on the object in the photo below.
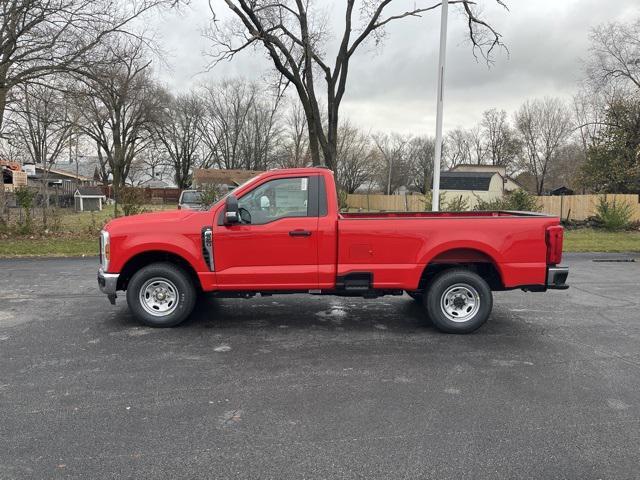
pixel 136 223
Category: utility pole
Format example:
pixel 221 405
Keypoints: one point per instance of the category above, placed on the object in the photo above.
pixel 435 197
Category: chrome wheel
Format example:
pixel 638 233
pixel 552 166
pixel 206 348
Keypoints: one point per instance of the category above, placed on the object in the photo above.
pixel 159 297
pixel 460 302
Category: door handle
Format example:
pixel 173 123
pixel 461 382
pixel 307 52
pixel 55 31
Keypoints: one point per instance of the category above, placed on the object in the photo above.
pixel 299 233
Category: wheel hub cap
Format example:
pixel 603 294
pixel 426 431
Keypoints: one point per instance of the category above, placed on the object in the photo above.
pixel 159 297
pixel 460 303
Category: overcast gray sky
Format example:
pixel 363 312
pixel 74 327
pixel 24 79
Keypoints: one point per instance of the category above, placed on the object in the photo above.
pixel 392 88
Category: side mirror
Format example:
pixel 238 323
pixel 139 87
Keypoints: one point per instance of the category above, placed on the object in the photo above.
pixel 231 214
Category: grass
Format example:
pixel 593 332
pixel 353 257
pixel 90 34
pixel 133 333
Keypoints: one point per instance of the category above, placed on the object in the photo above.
pixel 76 236
pixel 79 233
pixel 590 240
pixel 48 247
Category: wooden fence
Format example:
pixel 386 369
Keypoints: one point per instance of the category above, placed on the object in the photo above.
pixel 581 207
pixel 150 195
pixel 574 207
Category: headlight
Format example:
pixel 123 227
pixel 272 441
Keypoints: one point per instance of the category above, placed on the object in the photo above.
pixel 105 250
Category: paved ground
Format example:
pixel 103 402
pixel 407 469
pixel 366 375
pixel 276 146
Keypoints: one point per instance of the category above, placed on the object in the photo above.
pixel 307 387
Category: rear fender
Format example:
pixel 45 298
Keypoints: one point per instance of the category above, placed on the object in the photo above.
pixel 460 252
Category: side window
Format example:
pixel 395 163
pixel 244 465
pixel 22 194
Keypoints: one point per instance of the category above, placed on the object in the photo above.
pixel 285 197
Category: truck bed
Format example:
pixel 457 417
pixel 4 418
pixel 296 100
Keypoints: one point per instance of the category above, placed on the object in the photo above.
pixel 397 251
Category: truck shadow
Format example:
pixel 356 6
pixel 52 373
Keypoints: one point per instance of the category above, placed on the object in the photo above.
pixel 399 315
pixel 301 312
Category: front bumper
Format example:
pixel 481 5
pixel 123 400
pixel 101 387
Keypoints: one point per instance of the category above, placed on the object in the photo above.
pixel 557 278
pixel 108 283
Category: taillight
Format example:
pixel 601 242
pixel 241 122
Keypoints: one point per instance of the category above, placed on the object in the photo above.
pixel 555 236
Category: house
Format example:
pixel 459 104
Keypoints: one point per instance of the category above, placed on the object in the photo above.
pixel 509 184
pixel 87 167
pixel 227 179
pixel 89 199
pixel 476 182
pixel 155 183
pixel 61 180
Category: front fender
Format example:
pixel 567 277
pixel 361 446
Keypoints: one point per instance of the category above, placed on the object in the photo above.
pixel 126 248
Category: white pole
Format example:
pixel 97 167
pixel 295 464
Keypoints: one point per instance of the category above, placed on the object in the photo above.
pixel 438 153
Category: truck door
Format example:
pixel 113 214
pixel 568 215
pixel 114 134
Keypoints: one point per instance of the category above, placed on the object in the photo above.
pixel 275 247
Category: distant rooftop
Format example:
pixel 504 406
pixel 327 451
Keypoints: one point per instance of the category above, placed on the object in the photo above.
pixel 216 176
pixel 87 167
pixel 479 181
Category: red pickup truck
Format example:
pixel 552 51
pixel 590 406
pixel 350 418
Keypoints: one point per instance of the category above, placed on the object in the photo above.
pixel 281 232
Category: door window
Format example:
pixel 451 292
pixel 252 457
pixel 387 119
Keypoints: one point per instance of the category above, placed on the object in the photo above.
pixel 285 197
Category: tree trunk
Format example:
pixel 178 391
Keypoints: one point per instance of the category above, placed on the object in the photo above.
pixel 314 140
pixel 4 91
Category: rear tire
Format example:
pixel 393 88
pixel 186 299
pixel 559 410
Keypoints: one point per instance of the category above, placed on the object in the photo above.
pixel 161 295
pixel 458 301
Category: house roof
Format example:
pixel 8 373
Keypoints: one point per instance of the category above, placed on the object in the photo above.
pixel 67 173
pixel 466 180
pixel 563 190
pixel 86 169
pixel 220 176
pixel 155 183
pixel 90 192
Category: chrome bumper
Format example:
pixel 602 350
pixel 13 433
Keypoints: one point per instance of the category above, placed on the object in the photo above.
pixel 557 278
pixel 108 283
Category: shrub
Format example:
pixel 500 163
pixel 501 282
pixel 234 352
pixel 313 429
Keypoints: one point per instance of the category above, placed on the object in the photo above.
pixel 428 198
pixel 210 194
pixel 613 215
pixel 522 201
pixel 55 220
pixel 489 205
pixel 518 200
pixel 456 204
pixel 343 197
pixel 132 200
pixel 25 197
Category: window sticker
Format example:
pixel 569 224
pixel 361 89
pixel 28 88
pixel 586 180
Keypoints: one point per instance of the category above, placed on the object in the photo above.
pixel 304 184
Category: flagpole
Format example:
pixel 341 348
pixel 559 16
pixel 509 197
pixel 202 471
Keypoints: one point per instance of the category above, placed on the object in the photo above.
pixel 435 202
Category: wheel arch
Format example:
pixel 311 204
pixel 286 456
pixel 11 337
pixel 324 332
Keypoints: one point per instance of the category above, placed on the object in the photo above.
pixel 477 260
pixel 141 260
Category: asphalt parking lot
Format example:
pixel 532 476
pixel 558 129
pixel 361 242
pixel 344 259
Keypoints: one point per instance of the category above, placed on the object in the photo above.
pixel 318 387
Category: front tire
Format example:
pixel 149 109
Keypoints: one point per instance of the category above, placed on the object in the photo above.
pixel 458 301
pixel 161 295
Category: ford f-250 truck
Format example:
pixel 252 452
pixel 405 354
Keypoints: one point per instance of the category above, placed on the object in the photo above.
pixel 282 232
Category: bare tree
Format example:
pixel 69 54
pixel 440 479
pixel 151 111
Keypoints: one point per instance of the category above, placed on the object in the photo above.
pixel 154 161
pixel 43 37
pixel 457 148
pixel 615 55
pixel 502 146
pixel 392 171
pixel 227 108
pixel 179 132
pixel 119 105
pixel 240 124
pixel 354 159
pixel 421 151
pixel 294 143
pixel 42 126
pixel 294 34
pixel 544 125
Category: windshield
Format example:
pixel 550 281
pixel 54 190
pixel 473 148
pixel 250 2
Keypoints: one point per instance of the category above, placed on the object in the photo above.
pixel 191 197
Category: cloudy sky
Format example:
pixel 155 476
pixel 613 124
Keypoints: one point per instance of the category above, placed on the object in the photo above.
pixel 392 88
